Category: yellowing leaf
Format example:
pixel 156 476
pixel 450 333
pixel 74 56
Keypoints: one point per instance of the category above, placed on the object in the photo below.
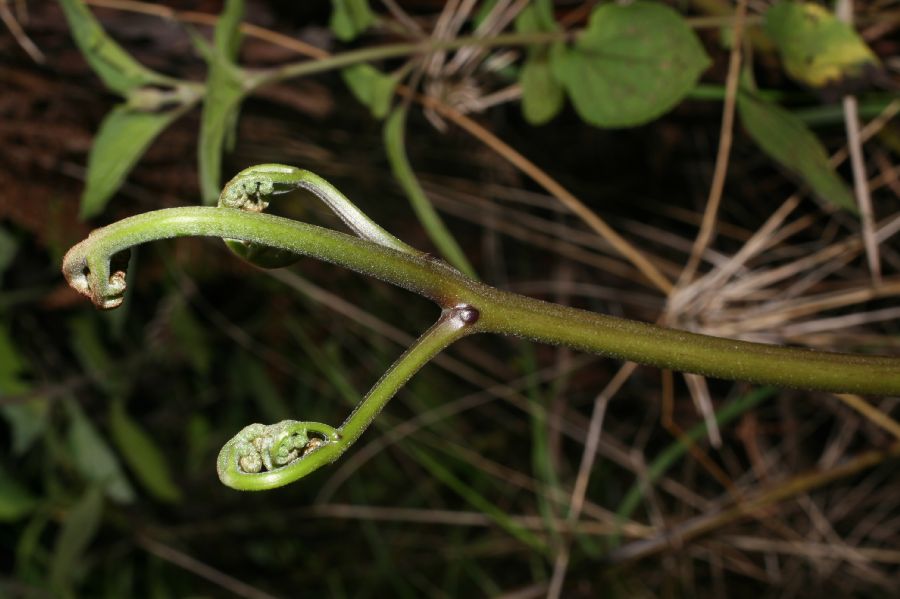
pixel 815 47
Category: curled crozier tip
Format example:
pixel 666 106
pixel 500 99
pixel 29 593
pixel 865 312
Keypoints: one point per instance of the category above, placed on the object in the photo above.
pixel 104 284
pixel 264 456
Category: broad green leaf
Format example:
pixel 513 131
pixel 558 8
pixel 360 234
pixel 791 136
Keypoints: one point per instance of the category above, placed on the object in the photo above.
pixel 349 18
pixel 632 64
pixel 123 137
pixel 785 139
pixel 815 47
pixel 15 500
pixel 79 529
pixel 142 454
pixel 371 87
pixel 395 145
pixel 119 71
pixel 542 92
pixel 221 105
pixel 94 459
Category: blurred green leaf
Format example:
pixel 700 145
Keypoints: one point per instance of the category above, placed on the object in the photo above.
pixel 250 380
pixel 79 529
pixel 28 422
pixel 15 500
pixel 221 105
pixel 12 367
pixel 191 337
pixel 439 470
pixel 371 87
pixel 123 137
pixel 395 145
pixel 349 18
pixel 142 454
pixel 8 248
pixel 94 459
pixel 28 419
pixel 197 434
pixel 94 357
pixel 632 64
pixel 119 71
pixel 227 35
pixel 815 47
pixel 542 92
pixel 31 555
pixel 785 139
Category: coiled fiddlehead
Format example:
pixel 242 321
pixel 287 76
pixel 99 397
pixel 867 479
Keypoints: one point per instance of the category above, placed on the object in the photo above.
pixel 264 456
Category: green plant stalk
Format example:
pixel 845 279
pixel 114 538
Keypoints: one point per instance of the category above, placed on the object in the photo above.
pixel 257 439
pixel 87 268
pixel 267 456
pixel 453 324
pixel 395 145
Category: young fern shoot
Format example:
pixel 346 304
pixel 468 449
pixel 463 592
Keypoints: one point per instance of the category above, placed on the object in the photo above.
pixel 262 457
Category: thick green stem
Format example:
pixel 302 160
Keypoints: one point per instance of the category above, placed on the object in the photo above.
pixel 86 266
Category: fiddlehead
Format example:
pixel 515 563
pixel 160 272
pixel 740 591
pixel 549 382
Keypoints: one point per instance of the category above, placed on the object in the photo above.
pixel 252 188
pixel 268 456
pixel 265 457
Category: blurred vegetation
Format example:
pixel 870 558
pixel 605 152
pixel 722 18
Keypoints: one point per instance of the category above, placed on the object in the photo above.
pixel 475 481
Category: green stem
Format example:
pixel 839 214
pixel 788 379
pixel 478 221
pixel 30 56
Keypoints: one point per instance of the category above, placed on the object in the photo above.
pixel 86 266
pixel 242 459
pixel 453 324
pixel 395 144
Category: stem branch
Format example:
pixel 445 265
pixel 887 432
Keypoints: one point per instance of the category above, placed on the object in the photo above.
pixel 86 266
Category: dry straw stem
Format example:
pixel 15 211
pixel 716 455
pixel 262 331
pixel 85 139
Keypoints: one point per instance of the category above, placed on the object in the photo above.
pixel 844 12
pixel 703 524
pixel 707 228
